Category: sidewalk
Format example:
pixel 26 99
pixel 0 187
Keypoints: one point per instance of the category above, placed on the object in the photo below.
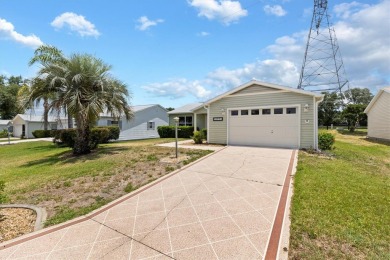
pixel 25 140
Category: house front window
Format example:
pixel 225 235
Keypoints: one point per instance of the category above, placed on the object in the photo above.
pixel 185 121
pixel 151 125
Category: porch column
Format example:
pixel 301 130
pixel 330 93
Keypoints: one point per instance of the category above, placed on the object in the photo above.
pixel 195 122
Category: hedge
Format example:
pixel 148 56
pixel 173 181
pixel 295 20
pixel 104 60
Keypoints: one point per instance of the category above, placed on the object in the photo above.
pixel 169 131
pixel 3 133
pixel 98 135
pixel 43 133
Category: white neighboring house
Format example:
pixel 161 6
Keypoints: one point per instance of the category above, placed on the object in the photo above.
pixel 378 113
pixel 4 124
pixel 142 126
pixel 24 125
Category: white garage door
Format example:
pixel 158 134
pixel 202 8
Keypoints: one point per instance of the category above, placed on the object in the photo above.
pixel 268 127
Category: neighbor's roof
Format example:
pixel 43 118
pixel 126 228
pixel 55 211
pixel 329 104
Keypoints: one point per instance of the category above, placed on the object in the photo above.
pixel 380 92
pixel 186 108
pixel 34 118
pixel 134 108
pixel 270 85
pixel 4 122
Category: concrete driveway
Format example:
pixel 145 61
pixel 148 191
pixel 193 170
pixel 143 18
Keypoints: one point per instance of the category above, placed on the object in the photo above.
pixel 221 207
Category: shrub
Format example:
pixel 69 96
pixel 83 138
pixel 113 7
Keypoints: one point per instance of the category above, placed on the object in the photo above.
pixel 169 131
pixel 3 197
pixel 114 132
pixel 198 137
pixel 98 136
pixel 65 137
pixel 43 133
pixel 4 133
pixel 204 132
pixel 325 141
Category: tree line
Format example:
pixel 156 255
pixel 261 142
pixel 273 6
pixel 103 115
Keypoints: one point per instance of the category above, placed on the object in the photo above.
pixel 345 108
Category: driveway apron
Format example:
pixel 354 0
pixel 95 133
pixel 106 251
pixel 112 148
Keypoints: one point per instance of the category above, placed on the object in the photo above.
pixel 222 207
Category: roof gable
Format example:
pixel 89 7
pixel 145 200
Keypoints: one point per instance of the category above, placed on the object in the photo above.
pixel 377 96
pixel 256 87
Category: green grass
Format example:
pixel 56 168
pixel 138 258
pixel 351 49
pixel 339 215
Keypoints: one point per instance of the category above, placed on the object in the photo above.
pixel 45 175
pixel 341 205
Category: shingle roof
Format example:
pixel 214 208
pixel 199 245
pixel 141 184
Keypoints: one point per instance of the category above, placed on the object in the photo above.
pixel 185 109
pixel 4 122
pixel 134 108
pixel 33 118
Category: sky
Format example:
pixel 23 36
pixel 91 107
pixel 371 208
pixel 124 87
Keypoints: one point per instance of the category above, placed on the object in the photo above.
pixel 174 52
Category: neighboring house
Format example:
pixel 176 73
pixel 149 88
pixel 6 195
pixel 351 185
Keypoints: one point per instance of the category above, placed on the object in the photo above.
pixel 24 125
pixel 378 114
pixel 142 126
pixel 260 114
pixel 4 124
pixel 193 114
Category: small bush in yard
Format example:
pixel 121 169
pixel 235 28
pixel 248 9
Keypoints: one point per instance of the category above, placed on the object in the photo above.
pixel 198 137
pixel 99 136
pixel 114 132
pixel 325 141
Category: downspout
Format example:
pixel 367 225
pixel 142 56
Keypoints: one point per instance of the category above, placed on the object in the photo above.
pixel 316 123
pixel 208 122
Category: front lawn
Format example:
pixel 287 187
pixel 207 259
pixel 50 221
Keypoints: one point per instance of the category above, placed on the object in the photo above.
pixel 341 204
pixel 42 174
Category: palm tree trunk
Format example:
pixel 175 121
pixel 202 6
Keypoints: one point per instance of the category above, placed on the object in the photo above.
pixel 45 114
pixel 70 121
pixel 81 145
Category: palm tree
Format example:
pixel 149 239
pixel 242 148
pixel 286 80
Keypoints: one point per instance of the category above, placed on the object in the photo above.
pixel 85 88
pixel 41 89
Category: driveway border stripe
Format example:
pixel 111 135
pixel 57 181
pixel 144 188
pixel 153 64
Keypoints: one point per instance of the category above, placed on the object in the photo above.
pixel 104 208
pixel 273 244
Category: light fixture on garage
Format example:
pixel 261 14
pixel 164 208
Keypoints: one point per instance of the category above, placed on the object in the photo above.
pixel 306 108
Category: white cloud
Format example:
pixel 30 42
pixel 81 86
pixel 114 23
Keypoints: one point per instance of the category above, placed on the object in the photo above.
pixel 203 34
pixel 225 11
pixel 144 23
pixel 344 10
pixel 276 10
pixel 7 30
pixel 76 23
pixel 178 88
pixel 362 38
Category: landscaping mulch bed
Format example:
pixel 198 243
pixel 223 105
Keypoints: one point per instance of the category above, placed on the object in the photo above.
pixel 15 222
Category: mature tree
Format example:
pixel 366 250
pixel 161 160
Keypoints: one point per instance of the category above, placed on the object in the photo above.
pixel 85 88
pixel 361 96
pixel 15 80
pixel 8 98
pixel 353 114
pixel 169 108
pixel 329 109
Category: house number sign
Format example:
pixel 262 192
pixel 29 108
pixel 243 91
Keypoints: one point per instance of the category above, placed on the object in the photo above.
pixel 217 118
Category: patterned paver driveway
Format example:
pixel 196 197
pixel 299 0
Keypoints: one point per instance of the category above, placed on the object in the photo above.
pixel 222 207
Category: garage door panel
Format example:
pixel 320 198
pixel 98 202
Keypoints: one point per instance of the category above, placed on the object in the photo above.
pixel 264 130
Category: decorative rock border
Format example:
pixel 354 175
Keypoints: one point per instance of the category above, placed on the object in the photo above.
pixel 40 212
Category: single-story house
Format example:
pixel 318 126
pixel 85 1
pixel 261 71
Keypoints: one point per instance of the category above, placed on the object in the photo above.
pixel 4 124
pixel 378 114
pixel 193 114
pixel 142 126
pixel 258 114
pixel 24 125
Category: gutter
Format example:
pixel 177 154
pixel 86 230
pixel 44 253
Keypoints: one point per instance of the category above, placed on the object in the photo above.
pixel 316 121
pixel 208 122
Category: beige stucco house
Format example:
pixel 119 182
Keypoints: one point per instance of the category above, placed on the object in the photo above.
pixel 378 114
pixel 259 114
